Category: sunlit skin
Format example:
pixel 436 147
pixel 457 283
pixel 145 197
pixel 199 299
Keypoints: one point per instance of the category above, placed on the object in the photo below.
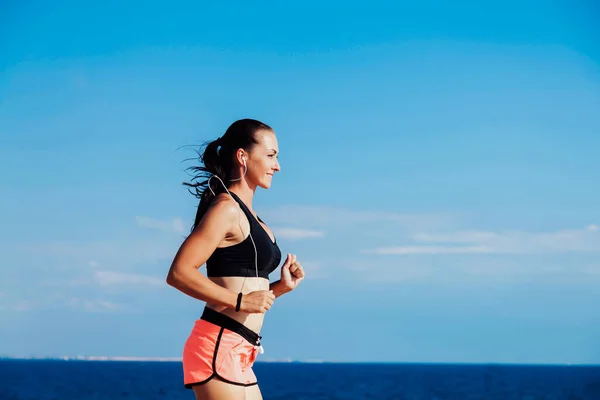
pixel 225 224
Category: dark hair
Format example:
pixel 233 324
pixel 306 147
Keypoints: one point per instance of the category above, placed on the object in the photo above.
pixel 218 159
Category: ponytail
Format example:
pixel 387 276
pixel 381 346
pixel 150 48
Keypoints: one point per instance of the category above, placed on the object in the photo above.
pixel 212 164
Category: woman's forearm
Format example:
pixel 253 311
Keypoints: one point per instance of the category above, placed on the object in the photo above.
pixel 279 288
pixel 195 284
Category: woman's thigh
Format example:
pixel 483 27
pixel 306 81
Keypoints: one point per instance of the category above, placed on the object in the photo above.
pixel 216 389
pixel 253 393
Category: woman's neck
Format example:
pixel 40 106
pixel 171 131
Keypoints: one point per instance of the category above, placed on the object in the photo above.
pixel 244 192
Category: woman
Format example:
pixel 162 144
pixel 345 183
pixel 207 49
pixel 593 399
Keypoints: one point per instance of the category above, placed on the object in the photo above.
pixel 240 252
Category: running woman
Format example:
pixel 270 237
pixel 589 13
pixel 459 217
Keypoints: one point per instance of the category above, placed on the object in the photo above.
pixel 240 253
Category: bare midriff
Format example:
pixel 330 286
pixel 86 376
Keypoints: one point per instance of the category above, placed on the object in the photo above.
pixel 235 283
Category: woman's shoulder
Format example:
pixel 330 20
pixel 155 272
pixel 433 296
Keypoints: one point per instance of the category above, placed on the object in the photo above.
pixel 221 215
pixel 224 206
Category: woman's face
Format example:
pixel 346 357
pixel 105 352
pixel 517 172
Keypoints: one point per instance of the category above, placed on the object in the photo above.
pixel 262 159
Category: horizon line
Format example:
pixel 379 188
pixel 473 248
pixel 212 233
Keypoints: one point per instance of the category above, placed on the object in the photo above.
pixel 291 361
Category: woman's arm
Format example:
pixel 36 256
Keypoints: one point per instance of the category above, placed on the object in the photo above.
pixel 197 248
pixel 292 274
pixel 279 288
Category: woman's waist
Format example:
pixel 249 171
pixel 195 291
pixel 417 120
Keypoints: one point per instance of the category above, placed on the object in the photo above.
pixel 243 324
pixel 244 284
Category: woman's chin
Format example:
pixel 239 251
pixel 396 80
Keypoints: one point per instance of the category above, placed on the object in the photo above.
pixel 265 183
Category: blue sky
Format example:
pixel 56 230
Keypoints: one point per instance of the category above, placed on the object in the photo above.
pixel 439 174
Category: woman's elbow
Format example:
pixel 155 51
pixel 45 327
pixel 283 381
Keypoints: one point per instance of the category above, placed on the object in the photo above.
pixel 173 278
pixel 180 276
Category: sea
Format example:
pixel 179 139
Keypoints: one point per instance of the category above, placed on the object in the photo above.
pixel 150 380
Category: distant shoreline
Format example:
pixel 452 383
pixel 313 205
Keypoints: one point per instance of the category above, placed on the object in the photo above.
pixel 95 358
pixel 131 359
pixel 288 361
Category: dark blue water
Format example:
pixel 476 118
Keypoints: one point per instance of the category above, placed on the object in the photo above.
pixel 105 380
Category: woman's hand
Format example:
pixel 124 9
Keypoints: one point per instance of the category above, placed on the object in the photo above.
pixel 291 273
pixel 257 302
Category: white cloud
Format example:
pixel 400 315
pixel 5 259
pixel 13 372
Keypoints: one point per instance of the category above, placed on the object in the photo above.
pixel 391 272
pixel 109 278
pixel 59 302
pixel 592 270
pixel 22 305
pixel 465 269
pixel 404 250
pixel 72 249
pixel 316 216
pixel 456 237
pixel 293 233
pixel 175 225
pixel 314 270
pixel 511 242
pixel 106 278
pixel 93 305
pixel 95 253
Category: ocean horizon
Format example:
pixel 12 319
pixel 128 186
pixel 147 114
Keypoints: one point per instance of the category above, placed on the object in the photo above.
pixel 287 361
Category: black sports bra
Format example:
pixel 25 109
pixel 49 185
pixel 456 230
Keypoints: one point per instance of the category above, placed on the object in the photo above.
pixel 239 259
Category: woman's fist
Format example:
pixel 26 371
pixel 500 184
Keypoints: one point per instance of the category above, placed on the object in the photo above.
pixel 291 272
pixel 257 302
